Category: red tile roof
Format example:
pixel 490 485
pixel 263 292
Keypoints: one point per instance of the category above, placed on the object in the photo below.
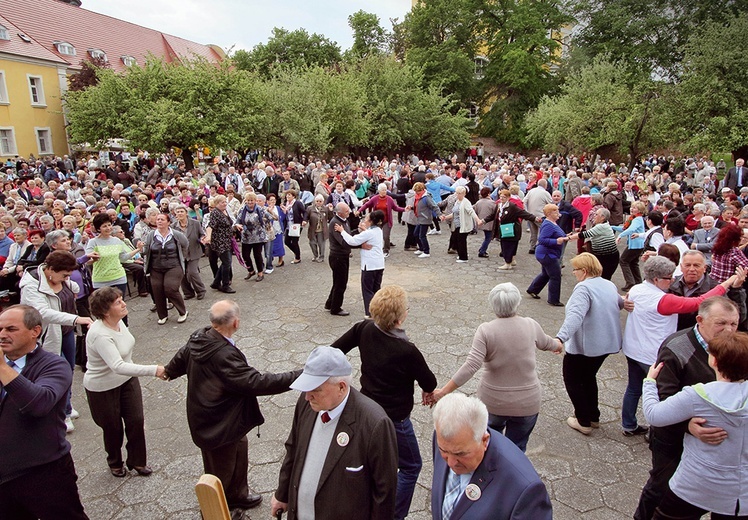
pixel 50 21
pixel 17 46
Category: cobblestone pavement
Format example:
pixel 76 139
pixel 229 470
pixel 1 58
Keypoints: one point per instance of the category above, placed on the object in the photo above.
pixel 595 477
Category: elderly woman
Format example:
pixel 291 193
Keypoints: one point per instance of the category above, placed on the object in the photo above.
pixel 274 246
pixel 386 204
pixel 295 214
pixel 36 254
pixel 49 290
pixel 654 318
pixel 218 238
pixel 509 386
pixel 317 214
pixel 164 253
pixel 464 219
pixel 485 208
pixel 192 283
pixel 709 477
pixel 372 255
pixel 391 366
pixel 8 275
pixel 726 257
pixel 252 222
pixel 634 234
pixel 548 252
pixel 591 331
pixel 111 383
pixel 602 241
pixel 424 209
pixel 108 252
pixel 506 226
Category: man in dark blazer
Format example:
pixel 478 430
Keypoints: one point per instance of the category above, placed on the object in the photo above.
pixel 341 454
pixel 737 176
pixel 479 473
pixel 222 405
pixel 339 260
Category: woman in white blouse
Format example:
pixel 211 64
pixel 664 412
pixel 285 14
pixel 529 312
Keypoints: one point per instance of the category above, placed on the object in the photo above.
pixel 111 383
pixel 371 241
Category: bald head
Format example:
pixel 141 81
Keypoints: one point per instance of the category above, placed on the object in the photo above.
pixel 342 210
pixel 224 316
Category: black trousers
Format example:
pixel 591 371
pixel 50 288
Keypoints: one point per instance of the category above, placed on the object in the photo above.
pixel 411 240
pixel 230 463
pixel 665 460
pixel 114 408
pixel 580 380
pixel 371 282
pixel 340 266
pixel 609 263
pixel 509 250
pixel 258 251
pixel 293 245
pixel 47 492
pixel 166 284
pixel 138 275
pixel 224 273
pixel 458 242
pixel 673 507
pixel 630 266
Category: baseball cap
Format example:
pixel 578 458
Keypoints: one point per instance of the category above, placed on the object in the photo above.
pixel 322 364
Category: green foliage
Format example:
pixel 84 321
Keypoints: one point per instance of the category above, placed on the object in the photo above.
pixel 369 38
pixel 646 36
pixel 604 105
pixel 288 50
pixel 712 96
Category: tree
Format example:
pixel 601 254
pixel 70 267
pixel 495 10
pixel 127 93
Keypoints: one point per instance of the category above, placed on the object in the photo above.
pixel 605 105
pixel 712 96
pixel 369 38
pixel 288 49
pixel 521 40
pixel 86 76
pixel 159 106
pixel 438 37
pixel 646 36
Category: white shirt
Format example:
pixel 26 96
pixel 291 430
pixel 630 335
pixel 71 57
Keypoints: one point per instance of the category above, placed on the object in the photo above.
pixel 371 259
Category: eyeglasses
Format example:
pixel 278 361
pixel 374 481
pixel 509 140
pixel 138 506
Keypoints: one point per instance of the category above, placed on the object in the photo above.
pixel 666 277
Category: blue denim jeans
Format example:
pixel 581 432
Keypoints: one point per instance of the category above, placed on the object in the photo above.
pixel 516 429
pixel 408 466
pixel 420 233
pixel 487 235
pixel 637 373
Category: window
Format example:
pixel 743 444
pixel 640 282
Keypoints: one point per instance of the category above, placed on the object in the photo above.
pixel 7 142
pixel 37 91
pixel 480 66
pixel 24 37
pixel 97 54
pixel 44 140
pixel 3 89
pixel 65 48
pixel 129 61
pixel 473 112
pixel 4 33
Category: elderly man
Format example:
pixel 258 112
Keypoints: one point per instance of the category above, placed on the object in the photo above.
pixel 693 282
pixel 535 200
pixel 37 475
pixel 685 363
pixel 704 237
pixel 341 454
pixel 737 177
pixel 339 260
pixel 222 405
pixel 479 473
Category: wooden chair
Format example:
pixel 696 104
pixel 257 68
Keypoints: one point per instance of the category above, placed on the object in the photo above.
pixel 211 498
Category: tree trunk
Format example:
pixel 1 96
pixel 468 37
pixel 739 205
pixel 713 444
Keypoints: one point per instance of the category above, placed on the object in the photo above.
pixel 189 162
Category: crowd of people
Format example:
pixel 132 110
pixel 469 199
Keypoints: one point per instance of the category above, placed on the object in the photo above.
pixel 77 237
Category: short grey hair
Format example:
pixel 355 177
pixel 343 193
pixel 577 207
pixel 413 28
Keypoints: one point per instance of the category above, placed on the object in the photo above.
pixel 596 198
pixel 657 267
pixel 20 231
pixel 334 380
pixel 505 299
pixel 53 237
pixel 221 315
pixel 692 252
pixel 152 211
pixel 116 229
pixel 699 207
pixel 456 411
pixel 47 218
pixel 605 212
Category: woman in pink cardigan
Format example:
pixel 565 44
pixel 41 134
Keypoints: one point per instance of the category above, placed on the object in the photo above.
pixel 385 203
pixel 509 387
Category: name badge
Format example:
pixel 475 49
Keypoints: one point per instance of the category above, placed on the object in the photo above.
pixel 472 492
pixel 343 440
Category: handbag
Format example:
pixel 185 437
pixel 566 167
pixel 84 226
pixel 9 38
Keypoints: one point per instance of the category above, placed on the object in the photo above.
pixel 506 230
pixel 294 230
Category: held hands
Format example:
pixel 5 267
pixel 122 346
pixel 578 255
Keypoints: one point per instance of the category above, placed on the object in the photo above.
pixel 654 370
pixel 161 373
pixel 713 436
pixel 428 398
pixel 560 348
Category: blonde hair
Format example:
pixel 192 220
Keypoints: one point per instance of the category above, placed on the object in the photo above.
pixel 388 307
pixel 548 208
pixel 589 263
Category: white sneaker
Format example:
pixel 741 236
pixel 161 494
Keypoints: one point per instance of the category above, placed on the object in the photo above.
pixel 439 232
pixel 417 252
pixel 424 255
pixel 431 232
pixel 162 320
pixel 74 414
pixel 514 262
pixel 269 271
pixel 69 426
pixel 461 261
pixel 182 317
pixel 386 255
pixel 506 267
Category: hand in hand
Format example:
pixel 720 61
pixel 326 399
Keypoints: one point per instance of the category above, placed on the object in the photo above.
pixel 427 399
pixel 161 373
